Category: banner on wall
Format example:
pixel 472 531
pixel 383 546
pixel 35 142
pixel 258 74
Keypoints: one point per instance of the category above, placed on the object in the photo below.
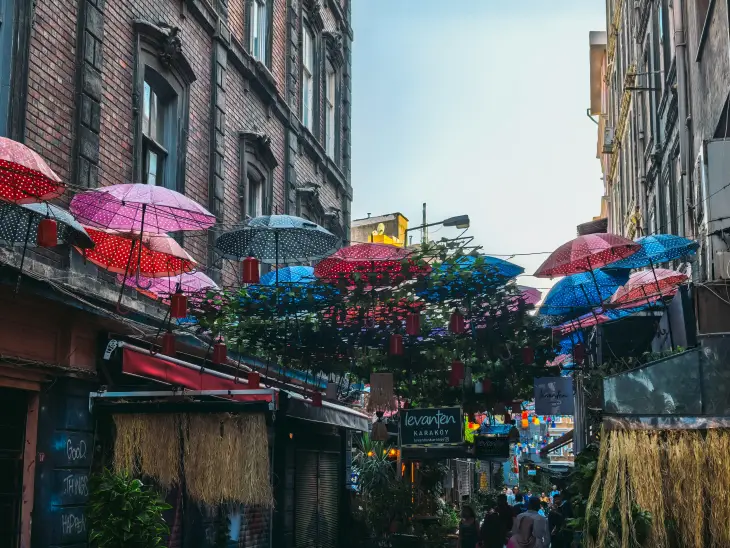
pixel 554 396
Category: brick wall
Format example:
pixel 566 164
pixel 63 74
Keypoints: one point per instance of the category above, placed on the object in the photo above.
pixel 52 109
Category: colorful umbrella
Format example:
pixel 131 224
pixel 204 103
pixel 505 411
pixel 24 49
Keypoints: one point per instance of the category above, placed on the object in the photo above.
pixel 657 249
pixel 140 208
pixel 24 176
pixel 529 295
pixel 378 264
pixel 299 275
pixel 585 254
pixel 574 295
pixel 19 224
pixel 191 283
pixel 646 284
pixel 159 255
pixel 275 239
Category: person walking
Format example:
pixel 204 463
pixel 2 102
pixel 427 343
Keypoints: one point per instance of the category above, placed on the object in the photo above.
pixel 468 528
pixel 492 534
pixel 540 527
pixel 519 506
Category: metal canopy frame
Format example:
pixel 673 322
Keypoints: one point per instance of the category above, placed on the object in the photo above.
pixel 103 395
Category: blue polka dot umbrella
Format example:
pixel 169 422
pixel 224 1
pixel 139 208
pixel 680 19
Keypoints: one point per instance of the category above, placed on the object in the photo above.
pixel 580 293
pixel 298 275
pixel 657 249
pixel 276 239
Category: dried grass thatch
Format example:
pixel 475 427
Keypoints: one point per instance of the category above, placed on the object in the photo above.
pixel 149 445
pixel 680 477
pixel 227 459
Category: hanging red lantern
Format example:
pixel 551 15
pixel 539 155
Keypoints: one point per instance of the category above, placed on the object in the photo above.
pixel 456 376
pixel 457 323
pixel 528 355
pixel 486 386
pixel 396 345
pixel 317 399
pixel 168 344
pixel 47 233
pixel 579 353
pixel 250 270
pixel 524 415
pixel 220 353
pixel 254 380
pixel 413 324
pixel 178 305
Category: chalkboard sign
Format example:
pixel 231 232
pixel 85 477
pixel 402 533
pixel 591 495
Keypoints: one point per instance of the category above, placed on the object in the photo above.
pixel 491 447
pixel 70 487
pixel 69 525
pixel 432 426
pixel 72 448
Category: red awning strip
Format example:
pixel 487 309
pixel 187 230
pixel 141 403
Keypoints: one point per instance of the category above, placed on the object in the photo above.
pixel 143 364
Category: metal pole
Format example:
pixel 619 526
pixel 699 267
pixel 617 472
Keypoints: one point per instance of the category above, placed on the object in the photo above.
pixel 424 231
pixel 399 458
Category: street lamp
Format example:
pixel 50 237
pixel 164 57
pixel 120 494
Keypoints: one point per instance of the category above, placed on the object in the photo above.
pixel 460 221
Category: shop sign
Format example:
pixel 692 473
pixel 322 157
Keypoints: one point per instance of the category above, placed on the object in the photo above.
pixel 491 447
pixel 554 396
pixel 532 472
pixel 432 426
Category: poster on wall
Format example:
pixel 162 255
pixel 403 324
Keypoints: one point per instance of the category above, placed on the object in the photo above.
pixel 443 425
pixel 554 396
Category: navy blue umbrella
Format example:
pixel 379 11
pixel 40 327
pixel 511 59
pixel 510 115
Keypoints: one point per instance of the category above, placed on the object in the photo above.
pixel 580 293
pixel 657 249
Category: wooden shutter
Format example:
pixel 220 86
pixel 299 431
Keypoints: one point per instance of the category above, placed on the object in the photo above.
pixel 329 499
pixel 305 513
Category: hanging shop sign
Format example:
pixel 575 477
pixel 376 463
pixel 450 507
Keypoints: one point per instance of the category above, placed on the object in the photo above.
pixel 491 447
pixel 532 472
pixel 554 396
pixel 432 426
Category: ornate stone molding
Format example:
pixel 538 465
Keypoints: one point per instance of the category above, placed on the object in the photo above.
pixel 335 45
pixel 313 8
pixel 167 41
pixel 262 145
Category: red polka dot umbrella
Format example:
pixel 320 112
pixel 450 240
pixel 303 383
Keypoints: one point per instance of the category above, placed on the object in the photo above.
pixel 24 176
pixel 378 313
pixel 377 264
pixel 647 285
pixel 159 255
pixel 585 254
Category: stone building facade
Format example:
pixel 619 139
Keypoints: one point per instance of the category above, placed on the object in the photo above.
pixel 659 87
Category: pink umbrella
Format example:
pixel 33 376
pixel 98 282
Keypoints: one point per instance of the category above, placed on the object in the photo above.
pixel 647 284
pixel 140 208
pixel 529 295
pixel 585 254
pixel 587 320
pixel 190 283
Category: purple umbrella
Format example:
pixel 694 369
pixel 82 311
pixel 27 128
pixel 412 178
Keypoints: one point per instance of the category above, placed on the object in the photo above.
pixel 191 283
pixel 138 207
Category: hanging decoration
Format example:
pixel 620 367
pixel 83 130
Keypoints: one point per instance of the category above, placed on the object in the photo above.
pixel 220 353
pixel 380 430
pixel 168 344
pixel 395 345
pixel 457 323
pixel 47 233
pixel 413 324
pixel 381 393
pixel 250 271
pixel 456 376
pixel 178 305
pixel 254 380
pixel 528 355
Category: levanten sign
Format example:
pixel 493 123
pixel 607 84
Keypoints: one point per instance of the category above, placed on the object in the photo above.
pixel 432 426
pixel 554 396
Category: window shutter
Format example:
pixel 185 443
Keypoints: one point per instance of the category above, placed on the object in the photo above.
pixel 329 504
pixel 306 526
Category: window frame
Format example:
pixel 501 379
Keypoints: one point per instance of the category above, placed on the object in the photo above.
pixel 331 102
pixel 159 59
pixel 308 75
pixel 257 161
pixel 253 12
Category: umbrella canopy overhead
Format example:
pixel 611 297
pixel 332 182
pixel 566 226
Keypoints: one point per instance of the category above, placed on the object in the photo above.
pixel 277 239
pixel 138 207
pixel 300 275
pixel 647 284
pixel 529 295
pixel 25 177
pixel 379 264
pixel 658 249
pixel 586 253
pixel 190 283
pixel 118 252
pixel 19 224
pixel 574 295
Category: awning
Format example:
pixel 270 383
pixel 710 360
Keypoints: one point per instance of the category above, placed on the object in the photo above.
pixel 562 441
pixel 143 363
pixel 330 413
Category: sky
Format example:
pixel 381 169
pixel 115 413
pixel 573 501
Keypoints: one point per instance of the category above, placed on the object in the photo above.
pixel 477 107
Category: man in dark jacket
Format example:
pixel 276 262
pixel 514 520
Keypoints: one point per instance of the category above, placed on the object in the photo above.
pixel 519 506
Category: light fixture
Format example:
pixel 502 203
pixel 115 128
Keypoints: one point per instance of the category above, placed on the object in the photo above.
pixel 460 221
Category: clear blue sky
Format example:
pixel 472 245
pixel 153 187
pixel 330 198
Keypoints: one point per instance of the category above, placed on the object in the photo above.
pixel 477 107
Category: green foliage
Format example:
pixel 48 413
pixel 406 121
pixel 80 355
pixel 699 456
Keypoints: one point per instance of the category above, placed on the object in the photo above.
pixel 123 513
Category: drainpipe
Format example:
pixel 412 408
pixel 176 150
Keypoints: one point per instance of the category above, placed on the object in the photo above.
pixel 680 46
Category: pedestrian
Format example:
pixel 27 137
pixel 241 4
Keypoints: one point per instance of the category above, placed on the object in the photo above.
pixel 468 528
pixel 540 528
pixel 519 506
pixel 523 536
pixel 510 496
pixel 556 522
pixel 506 517
pixel 491 534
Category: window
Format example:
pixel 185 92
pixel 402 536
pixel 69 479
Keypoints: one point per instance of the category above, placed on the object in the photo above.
pixel 255 205
pixel 329 106
pixel 259 24
pixel 159 130
pixel 308 78
pixel 257 165
pixel 161 100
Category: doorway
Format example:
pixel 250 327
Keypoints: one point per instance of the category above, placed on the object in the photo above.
pixel 13 414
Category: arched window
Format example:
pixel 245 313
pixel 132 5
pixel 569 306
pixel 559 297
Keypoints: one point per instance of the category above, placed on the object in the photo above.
pixel 257 175
pixel 308 74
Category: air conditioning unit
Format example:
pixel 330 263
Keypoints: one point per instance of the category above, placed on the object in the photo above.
pixel 608 138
